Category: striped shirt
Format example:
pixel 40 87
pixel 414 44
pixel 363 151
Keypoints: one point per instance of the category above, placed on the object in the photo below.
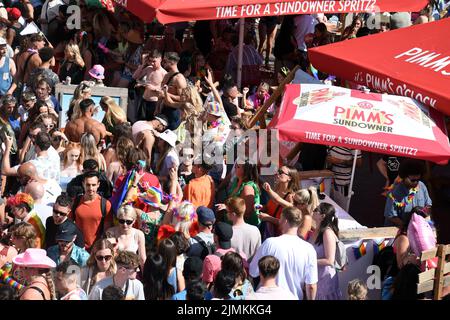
pixel 342 172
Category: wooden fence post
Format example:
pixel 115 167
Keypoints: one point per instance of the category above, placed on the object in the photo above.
pixel 263 109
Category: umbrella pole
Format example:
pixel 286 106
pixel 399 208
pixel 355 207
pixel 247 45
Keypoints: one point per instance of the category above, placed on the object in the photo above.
pixel 240 52
pixel 350 189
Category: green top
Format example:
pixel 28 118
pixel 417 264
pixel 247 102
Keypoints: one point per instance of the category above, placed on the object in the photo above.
pixel 253 219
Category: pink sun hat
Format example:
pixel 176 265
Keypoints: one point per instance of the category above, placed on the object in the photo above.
pixel 97 72
pixel 34 258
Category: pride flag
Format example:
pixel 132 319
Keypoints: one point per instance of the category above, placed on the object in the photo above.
pixel 152 196
pixel 36 222
pixel 359 249
pixel 379 244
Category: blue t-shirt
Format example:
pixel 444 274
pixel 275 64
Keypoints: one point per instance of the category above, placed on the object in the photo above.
pixel 400 193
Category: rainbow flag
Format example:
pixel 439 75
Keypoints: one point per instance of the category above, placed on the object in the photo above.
pixel 379 244
pixel 359 249
pixel 153 196
pixel 36 222
pixel 119 194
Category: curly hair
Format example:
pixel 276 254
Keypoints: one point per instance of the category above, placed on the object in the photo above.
pixel 21 200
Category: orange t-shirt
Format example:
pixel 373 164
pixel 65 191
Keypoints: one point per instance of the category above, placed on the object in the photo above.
pixel 200 191
pixel 88 218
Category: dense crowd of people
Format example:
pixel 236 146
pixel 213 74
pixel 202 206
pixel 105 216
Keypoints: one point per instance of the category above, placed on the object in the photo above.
pixel 135 205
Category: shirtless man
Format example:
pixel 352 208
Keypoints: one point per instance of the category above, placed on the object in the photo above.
pixel 144 133
pixel 75 128
pixel 29 60
pixel 154 74
pixel 175 82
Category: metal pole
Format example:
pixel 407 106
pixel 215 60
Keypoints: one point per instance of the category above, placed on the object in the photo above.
pixel 240 52
pixel 350 189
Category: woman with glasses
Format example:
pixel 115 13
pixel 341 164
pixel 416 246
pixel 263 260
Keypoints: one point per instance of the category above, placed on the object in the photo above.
pixel 324 239
pixel 128 237
pixel 286 184
pixel 125 278
pixel 99 265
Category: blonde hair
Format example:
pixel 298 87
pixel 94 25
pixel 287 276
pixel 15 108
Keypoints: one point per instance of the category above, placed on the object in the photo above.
pixel 357 290
pixel 74 111
pixel 50 284
pixel 75 50
pixel 114 113
pixel 127 210
pixel 308 196
pixel 71 146
pixel 101 245
pixel 89 148
pixel 183 218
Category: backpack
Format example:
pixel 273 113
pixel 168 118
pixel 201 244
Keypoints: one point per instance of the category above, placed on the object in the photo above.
pixel 77 202
pixel 340 259
pixel 207 249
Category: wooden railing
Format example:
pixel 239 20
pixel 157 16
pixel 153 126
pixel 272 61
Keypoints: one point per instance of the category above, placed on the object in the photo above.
pixel 435 279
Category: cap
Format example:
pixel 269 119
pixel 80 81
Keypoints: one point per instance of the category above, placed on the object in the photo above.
pixel 14 13
pixel 3 42
pixel 193 267
pixel 224 232
pixel 163 119
pixel 205 215
pixel 66 232
pixel 169 136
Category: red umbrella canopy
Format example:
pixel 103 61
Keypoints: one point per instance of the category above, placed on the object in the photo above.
pixel 144 9
pixel 413 62
pixel 190 10
pixel 353 119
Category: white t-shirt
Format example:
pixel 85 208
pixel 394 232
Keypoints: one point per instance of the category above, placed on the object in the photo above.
pixel 247 239
pixel 271 293
pixel 52 191
pixel 135 289
pixel 298 262
pixel 304 24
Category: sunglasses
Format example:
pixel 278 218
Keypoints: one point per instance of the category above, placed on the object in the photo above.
pixel 63 242
pixel 128 222
pixel 103 258
pixel 60 213
pixel 280 172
